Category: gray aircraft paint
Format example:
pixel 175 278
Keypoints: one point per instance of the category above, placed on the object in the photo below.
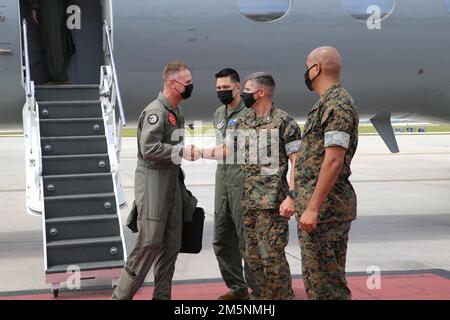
pixel 403 68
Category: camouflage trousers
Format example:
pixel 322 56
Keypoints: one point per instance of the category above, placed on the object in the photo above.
pixel 266 237
pixel 324 252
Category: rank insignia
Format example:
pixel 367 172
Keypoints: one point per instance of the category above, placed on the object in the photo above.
pixel 172 119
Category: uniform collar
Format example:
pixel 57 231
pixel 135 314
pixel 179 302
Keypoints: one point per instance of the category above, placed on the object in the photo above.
pixel 253 121
pixel 239 108
pixel 324 97
pixel 329 91
pixel 165 102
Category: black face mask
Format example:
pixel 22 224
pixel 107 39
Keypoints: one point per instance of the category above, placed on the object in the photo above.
pixel 248 98
pixel 187 90
pixel 308 80
pixel 225 96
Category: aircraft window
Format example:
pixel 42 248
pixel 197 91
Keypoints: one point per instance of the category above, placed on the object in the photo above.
pixel 362 10
pixel 264 10
pixel 447 5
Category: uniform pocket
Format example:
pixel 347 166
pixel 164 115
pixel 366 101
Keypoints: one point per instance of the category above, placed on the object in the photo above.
pixel 154 233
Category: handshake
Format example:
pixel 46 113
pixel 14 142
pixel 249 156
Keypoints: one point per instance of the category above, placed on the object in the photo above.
pixel 192 153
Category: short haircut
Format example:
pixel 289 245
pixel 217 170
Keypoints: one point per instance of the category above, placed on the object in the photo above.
pixel 262 79
pixel 228 72
pixel 172 68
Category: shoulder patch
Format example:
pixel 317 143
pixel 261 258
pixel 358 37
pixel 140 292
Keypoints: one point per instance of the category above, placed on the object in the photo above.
pixel 152 119
pixel 220 124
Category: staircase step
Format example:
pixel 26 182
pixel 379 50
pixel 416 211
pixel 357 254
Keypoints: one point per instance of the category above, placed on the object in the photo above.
pixel 70 109
pixel 58 185
pixel 74 145
pixel 82 242
pixel 90 266
pixel 87 250
pixel 72 127
pixel 70 228
pixel 67 92
pixel 80 205
pixel 75 164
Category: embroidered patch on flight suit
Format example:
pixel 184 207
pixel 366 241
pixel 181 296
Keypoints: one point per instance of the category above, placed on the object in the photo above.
pixel 153 118
pixel 220 124
pixel 172 119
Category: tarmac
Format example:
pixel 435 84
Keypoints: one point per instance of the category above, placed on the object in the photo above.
pixel 403 225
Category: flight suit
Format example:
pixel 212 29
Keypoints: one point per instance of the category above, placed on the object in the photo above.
pixel 265 188
pixel 160 136
pixel 229 240
pixel 56 39
pixel 333 121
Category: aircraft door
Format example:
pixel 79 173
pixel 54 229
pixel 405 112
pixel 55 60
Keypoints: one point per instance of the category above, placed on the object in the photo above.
pixel 10 57
pixel 80 36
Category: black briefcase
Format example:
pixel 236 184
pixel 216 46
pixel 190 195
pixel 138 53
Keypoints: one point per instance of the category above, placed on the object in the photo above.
pixel 192 235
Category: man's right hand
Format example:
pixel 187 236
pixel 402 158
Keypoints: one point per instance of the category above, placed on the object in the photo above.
pixel 34 17
pixel 191 153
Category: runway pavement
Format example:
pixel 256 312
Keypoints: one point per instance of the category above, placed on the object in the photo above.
pixel 403 212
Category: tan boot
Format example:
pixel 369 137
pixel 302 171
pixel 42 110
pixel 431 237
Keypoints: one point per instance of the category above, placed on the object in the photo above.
pixel 231 295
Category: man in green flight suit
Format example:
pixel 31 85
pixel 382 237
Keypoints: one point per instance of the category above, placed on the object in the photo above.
pixel 57 44
pixel 160 136
pixel 229 241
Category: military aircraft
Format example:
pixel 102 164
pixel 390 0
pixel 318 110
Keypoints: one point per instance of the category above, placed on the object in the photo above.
pixel 395 64
pixel 395 53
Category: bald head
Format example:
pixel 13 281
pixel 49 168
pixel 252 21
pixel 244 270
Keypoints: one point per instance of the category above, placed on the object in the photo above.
pixel 329 60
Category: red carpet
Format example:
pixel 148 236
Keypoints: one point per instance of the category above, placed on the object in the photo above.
pixel 409 286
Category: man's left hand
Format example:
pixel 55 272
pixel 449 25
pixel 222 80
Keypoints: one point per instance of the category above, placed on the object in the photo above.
pixel 287 208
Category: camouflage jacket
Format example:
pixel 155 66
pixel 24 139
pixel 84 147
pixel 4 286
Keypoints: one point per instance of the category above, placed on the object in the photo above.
pixel 264 146
pixel 333 121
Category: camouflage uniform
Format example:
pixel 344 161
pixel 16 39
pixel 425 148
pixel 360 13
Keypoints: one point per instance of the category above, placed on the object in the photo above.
pixel 333 121
pixel 265 188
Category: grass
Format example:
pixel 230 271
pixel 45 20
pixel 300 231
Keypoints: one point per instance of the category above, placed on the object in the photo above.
pixel 363 129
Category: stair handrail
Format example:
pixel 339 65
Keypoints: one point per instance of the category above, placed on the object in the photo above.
pixel 31 131
pixel 28 83
pixel 115 93
pixel 115 79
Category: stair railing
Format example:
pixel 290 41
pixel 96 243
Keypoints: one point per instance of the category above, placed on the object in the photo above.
pixel 113 92
pixel 31 133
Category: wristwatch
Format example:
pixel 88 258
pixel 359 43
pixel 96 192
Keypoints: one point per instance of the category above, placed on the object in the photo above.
pixel 292 194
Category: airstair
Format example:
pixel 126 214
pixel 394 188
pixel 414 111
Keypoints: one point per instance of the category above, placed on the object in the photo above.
pixel 73 143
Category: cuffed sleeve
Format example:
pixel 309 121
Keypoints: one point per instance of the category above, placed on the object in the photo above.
pixel 291 136
pixel 338 124
pixel 337 139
